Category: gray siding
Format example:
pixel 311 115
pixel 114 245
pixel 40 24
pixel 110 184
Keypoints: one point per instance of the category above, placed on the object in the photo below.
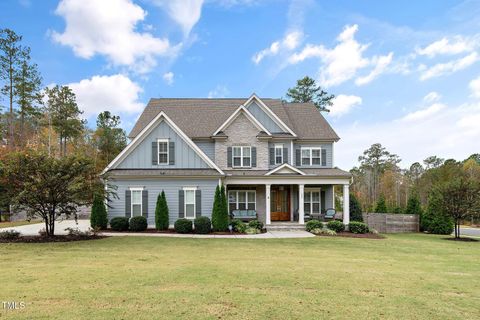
pixel 286 144
pixel 208 147
pixel 141 157
pixel 263 118
pixel 155 187
pixel 327 146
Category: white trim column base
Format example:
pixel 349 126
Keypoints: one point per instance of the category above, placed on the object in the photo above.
pixel 267 204
pixel 301 210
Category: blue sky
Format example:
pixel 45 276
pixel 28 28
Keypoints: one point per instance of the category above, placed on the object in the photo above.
pixel 407 76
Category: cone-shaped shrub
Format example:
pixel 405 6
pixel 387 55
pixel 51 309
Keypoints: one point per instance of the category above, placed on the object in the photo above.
pixel 161 212
pixel 381 206
pixel 355 209
pixel 220 210
pixel 98 215
pixel 413 205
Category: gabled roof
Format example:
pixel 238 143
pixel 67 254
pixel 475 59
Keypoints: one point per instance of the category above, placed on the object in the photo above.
pixel 285 169
pixel 241 110
pixel 144 133
pixel 200 118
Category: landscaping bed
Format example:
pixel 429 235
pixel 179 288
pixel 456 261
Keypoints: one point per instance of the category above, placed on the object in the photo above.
pixel 59 238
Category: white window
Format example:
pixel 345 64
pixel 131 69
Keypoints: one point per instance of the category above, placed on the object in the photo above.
pixel 189 203
pixel 241 200
pixel 162 145
pixel 311 156
pixel 278 154
pixel 242 157
pixel 311 201
pixel 136 198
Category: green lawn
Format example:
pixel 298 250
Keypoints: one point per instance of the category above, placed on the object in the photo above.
pixel 402 277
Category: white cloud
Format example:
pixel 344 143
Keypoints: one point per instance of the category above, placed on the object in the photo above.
pixel 343 104
pixel 447 46
pixel 288 43
pixel 474 86
pixel 168 77
pixel 116 93
pixel 449 67
pixel 424 113
pixel 185 13
pixel 342 62
pixel 107 28
pixel 432 97
pixel 220 91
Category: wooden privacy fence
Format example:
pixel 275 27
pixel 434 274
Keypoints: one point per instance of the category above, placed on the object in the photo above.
pixel 392 223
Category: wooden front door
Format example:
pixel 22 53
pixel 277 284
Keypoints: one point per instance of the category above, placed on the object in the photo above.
pixel 280 203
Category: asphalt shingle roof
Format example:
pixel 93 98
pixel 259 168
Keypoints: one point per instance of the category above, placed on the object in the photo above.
pixel 199 118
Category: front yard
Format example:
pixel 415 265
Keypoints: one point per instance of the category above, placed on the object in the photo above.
pixel 404 276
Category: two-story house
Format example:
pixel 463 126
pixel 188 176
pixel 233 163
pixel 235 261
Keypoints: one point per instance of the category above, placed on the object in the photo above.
pixel 276 159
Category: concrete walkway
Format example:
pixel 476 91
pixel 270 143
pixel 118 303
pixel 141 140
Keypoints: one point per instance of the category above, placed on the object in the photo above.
pixel 83 225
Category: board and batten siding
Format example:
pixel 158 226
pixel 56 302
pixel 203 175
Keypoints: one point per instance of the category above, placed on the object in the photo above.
pixel 208 147
pixel 325 146
pixel 141 156
pixel 263 118
pixel 155 187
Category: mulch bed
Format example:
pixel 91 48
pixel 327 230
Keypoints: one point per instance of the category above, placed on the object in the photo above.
pixel 172 231
pixel 356 235
pixel 464 239
pixel 59 238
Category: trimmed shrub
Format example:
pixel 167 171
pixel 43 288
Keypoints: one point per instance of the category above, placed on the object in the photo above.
pixel 220 210
pixel 238 225
pixel 336 226
pixel 313 224
pixel 355 209
pixel 98 214
pixel 381 206
pixel 9 235
pixel 138 223
pixel 161 212
pixel 326 232
pixel 358 227
pixel 255 224
pixel 183 226
pixel 203 225
pixel 119 223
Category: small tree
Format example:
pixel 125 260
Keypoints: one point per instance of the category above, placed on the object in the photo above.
pixel 98 215
pixel 381 206
pixel 220 210
pixel 355 209
pixel 161 212
pixel 434 219
pixel 413 205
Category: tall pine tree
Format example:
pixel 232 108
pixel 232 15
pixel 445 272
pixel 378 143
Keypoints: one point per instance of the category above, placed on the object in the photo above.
pixel 307 90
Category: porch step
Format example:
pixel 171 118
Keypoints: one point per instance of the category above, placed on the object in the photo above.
pixel 285 226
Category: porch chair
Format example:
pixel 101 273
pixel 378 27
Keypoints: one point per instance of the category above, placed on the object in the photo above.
pixel 330 214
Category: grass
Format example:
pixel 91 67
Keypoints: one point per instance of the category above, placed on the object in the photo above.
pixel 9 224
pixel 412 276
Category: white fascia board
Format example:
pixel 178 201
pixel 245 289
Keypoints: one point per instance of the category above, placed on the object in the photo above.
pixel 287 166
pixel 234 115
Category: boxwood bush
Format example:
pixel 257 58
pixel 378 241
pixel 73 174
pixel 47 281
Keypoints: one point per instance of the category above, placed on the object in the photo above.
pixel 313 224
pixel 203 225
pixel 119 223
pixel 183 226
pixel 255 224
pixel 336 226
pixel 138 223
pixel 358 227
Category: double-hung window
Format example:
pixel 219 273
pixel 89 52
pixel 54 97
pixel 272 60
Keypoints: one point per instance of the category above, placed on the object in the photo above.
pixel 189 202
pixel 241 200
pixel 278 154
pixel 242 157
pixel 311 156
pixel 136 194
pixel 311 201
pixel 162 151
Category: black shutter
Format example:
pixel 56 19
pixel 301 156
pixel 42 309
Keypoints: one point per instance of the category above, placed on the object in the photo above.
pixel 181 204
pixel 145 203
pixel 272 156
pixel 154 153
pixel 171 153
pixel 254 156
pixel 285 155
pixel 298 159
pixel 198 203
pixel 128 203
pixel 229 157
pixel 324 157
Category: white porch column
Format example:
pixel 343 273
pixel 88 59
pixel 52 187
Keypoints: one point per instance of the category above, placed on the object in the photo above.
pixel 301 211
pixel 346 204
pixel 267 204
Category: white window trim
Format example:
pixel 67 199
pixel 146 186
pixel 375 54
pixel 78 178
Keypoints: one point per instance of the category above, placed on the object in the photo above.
pixel 194 189
pixel 278 146
pixel 131 201
pixel 241 156
pixel 246 198
pixel 311 156
pixel 158 151
pixel 319 190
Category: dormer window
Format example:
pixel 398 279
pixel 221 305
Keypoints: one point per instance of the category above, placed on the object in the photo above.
pixel 162 147
pixel 242 157
pixel 311 156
